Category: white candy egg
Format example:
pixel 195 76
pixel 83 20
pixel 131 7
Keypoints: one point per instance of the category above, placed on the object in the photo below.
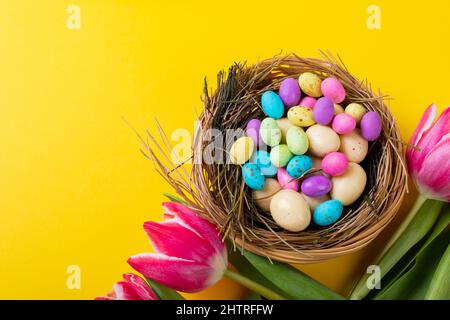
pixel 290 210
pixel 348 187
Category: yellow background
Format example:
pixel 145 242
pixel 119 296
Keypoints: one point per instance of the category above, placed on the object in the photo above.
pixel 74 190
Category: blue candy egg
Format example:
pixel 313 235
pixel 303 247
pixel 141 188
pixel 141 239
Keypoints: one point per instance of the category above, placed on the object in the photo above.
pixel 328 212
pixel 253 176
pixel 272 105
pixel 298 165
pixel 262 159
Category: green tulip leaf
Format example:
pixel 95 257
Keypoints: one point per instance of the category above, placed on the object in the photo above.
pixel 439 288
pixel 163 292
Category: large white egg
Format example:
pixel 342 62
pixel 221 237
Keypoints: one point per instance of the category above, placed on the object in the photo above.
pixel 322 140
pixel 263 197
pixel 354 146
pixel 290 210
pixel 347 188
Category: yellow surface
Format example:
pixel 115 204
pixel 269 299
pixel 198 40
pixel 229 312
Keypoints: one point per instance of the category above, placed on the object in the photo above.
pixel 74 189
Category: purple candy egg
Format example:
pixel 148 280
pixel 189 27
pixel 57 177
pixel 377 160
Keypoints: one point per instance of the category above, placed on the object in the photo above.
pixel 323 111
pixel 290 92
pixel 371 126
pixel 316 186
pixel 252 131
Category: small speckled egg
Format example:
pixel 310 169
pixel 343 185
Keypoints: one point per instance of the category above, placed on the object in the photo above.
pixel 328 213
pixel 284 124
pixel 269 132
pixel 280 155
pixel 289 92
pixel 371 126
pixel 290 211
pixel 323 111
pixel 301 116
pixel 343 123
pixel 252 131
pixel 253 176
pixel 313 202
pixel 334 163
pixel 333 90
pixel 316 186
pixel 286 181
pixel 310 83
pixel 322 140
pixel 338 109
pixel 263 197
pixel 348 187
pixel 272 105
pixel 308 102
pixel 262 159
pixel 241 150
pixel 298 165
pixel 297 140
pixel 354 146
pixel 356 110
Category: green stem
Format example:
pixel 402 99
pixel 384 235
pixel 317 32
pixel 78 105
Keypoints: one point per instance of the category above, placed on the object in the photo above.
pixel 361 289
pixel 252 285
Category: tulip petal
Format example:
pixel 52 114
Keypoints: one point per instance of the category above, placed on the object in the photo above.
pixel 142 287
pixel 176 273
pixel 425 123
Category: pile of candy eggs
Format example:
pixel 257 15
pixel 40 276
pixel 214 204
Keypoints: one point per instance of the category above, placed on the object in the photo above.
pixel 302 160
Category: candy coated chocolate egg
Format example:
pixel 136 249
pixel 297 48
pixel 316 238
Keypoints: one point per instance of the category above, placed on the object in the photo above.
pixel 354 146
pixel 289 92
pixel 313 202
pixel 328 213
pixel 284 124
pixel 316 186
pixel 263 197
pixel 269 132
pixel 272 105
pixel 309 102
pixel 286 181
pixel 253 176
pixel 297 140
pixel 310 84
pixel 262 159
pixel 343 123
pixel 337 109
pixel 252 131
pixel 356 110
pixel 323 111
pixel 334 163
pixel 280 155
pixel 347 188
pixel 317 163
pixel 298 165
pixel 301 116
pixel 242 150
pixel 333 90
pixel 290 211
pixel 322 140
pixel 371 126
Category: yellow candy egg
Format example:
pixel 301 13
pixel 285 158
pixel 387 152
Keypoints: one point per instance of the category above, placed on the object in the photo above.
pixel 242 150
pixel 290 210
pixel 301 116
pixel 263 197
pixel 338 109
pixel 310 83
pixel 356 111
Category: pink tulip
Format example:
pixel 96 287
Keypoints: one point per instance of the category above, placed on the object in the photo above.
pixel 429 155
pixel 132 287
pixel 189 252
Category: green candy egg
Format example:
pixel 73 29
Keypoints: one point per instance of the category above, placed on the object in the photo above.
pixel 270 132
pixel 297 140
pixel 280 155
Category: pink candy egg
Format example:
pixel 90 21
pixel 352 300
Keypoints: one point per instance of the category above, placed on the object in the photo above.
pixel 285 180
pixel 334 164
pixel 307 101
pixel 333 90
pixel 343 123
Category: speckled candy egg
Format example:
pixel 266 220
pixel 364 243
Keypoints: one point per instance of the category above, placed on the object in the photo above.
pixel 313 202
pixel 354 146
pixel 253 176
pixel 323 111
pixel 322 140
pixel 241 150
pixel 263 197
pixel 284 124
pixel 262 159
pixel 343 123
pixel 347 188
pixel 310 83
pixel 286 181
pixel 334 163
pixel 290 211
pixel 301 116
pixel 298 165
pixel 328 213
pixel 356 110
pixel 316 186
pixel 297 140
pixel 272 105
pixel 252 131
pixel 289 92
pixel 280 155
pixel 371 126
pixel 333 90
pixel 309 102
pixel 269 132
